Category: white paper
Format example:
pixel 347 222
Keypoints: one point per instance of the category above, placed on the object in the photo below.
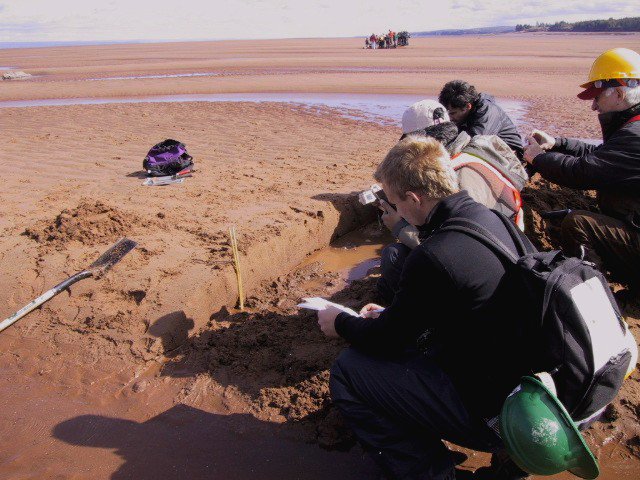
pixel 162 181
pixel 318 303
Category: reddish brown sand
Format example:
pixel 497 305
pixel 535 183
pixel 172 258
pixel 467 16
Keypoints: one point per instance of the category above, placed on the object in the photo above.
pixel 149 372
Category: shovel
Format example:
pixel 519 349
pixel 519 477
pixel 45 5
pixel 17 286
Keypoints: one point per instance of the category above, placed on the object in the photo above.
pixel 98 268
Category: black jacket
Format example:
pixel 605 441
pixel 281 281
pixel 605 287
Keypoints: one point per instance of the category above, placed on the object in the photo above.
pixel 455 289
pixel 487 118
pixel 612 168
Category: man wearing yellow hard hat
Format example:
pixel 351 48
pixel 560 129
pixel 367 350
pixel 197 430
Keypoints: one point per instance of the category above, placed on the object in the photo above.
pixel 611 237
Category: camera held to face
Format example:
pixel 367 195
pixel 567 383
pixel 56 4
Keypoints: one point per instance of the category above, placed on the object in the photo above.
pixel 372 196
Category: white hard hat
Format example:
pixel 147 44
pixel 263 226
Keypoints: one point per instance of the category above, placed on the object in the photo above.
pixel 423 114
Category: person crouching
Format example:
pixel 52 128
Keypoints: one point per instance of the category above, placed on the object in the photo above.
pixel 445 354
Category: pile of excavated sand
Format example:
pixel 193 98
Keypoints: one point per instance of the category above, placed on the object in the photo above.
pixel 89 223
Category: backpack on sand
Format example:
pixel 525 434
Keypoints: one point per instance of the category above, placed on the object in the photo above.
pixel 577 334
pixel 167 158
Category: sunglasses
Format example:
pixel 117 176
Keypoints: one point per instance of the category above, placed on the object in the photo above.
pixel 632 82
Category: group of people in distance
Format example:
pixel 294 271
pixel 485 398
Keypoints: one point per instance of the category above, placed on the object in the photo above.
pixel 388 40
pixel 438 362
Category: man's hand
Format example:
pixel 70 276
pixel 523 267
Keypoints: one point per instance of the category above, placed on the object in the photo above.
pixel 390 215
pixel 532 150
pixel 327 321
pixel 371 310
pixel 546 141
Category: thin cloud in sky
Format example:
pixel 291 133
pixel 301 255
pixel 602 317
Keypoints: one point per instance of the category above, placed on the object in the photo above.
pixel 27 28
pixel 531 11
pixel 99 20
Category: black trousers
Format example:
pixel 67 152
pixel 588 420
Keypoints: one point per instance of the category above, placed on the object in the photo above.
pixel 402 409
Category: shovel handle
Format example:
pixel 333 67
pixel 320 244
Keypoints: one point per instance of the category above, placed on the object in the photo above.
pixel 45 297
pixel 48 295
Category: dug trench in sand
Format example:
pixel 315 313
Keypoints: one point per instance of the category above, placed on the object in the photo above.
pixel 155 350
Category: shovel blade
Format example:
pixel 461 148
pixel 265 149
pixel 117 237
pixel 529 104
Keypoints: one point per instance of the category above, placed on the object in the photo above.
pixel 112 256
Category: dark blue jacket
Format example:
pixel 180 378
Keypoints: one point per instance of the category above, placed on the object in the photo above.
pixel 487 118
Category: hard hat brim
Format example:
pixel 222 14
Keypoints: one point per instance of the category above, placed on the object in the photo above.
pixel 590 92
pixel 588 467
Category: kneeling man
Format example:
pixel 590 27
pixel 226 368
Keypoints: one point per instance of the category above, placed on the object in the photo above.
pixel 610 238
pixel 441 359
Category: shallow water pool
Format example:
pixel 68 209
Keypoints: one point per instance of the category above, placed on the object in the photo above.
pixel 166 75
pixel 386 109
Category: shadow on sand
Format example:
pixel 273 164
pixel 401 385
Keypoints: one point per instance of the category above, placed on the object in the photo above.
pixel 352 213
pixel 187 443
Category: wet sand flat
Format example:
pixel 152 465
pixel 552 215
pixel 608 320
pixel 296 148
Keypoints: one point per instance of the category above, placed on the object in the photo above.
pixel 509 65
pixel 150 372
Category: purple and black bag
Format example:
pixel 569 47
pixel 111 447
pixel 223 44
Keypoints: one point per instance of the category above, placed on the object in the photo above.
pixel 167 158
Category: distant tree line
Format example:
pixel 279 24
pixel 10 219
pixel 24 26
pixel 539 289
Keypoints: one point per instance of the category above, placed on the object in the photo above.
pixel 628 24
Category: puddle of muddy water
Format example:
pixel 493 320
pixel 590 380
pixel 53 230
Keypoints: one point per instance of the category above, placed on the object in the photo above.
pixel 255 72
pixel 353 255
pixel 386 109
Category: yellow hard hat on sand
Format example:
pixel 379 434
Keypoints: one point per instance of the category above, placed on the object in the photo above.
pixel 613 68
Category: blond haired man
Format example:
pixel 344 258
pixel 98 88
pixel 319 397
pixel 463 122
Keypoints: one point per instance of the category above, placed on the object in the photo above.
pixel 455 304
pixel 485 166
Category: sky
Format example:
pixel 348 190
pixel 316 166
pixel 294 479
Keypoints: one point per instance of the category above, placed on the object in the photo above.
pixel 140 20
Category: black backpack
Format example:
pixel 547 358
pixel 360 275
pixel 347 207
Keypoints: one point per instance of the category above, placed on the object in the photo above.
pixel 575 330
